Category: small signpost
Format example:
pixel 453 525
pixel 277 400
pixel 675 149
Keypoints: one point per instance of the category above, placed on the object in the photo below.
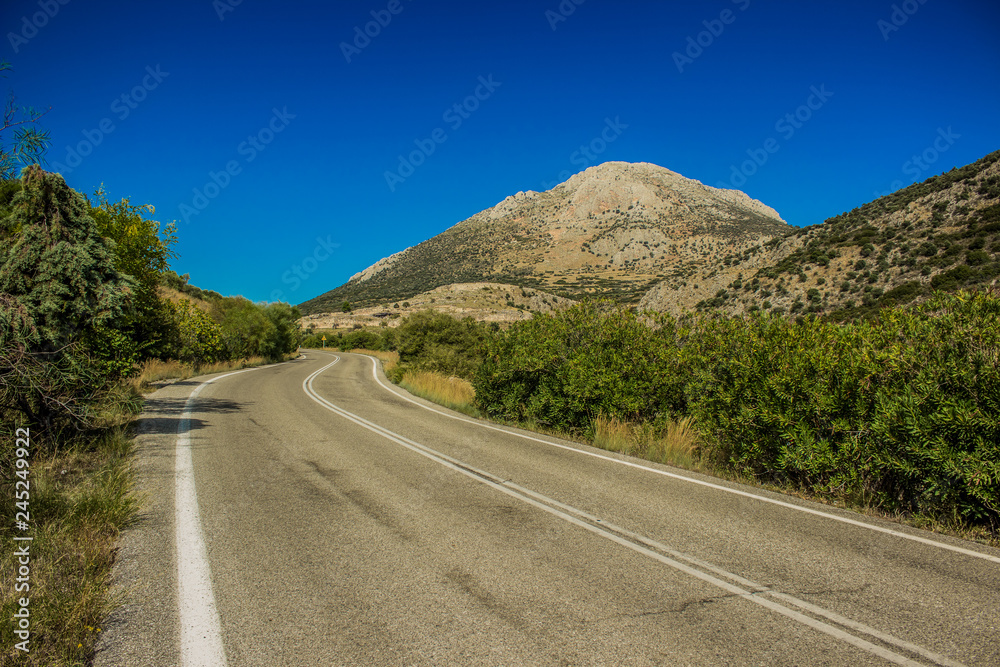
pixel 324 341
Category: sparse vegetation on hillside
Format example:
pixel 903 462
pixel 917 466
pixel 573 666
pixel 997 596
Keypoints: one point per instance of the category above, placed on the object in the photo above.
pixel 484 302
pixel 941 234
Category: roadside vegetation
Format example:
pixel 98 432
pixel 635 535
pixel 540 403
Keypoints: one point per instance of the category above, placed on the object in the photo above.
pixel 674 443
pixel 91 318
pixel 431 355
pixel 154 373
pixel 897 414
pixel 450 391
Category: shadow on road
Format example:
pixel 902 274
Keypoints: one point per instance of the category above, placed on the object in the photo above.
pixel 163 415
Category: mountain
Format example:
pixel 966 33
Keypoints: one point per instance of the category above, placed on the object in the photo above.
pixel 614 230
pixel 941 234
pixel 644 235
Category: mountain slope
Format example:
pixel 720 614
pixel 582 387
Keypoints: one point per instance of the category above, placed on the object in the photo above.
pixel 943 234
pixel 613 230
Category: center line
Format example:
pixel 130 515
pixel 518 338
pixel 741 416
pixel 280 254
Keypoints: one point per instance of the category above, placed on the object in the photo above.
pixel 649 548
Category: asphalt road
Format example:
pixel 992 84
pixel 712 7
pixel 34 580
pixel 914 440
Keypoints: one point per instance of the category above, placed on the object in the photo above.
pixel 339 521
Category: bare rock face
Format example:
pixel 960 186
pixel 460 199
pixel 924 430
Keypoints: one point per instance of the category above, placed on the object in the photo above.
pixel 648 186
pixel 377 267
pixel 612 230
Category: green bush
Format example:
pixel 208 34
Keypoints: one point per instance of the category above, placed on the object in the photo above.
pixel 977 257
pixel 438 342
pixel 900 412
pixel 953 278
pixel 566 369
pixel 362 338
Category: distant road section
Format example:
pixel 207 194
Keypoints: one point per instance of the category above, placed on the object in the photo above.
pixel 345 522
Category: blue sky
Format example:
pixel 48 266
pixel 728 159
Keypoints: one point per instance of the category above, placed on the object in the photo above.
pixel 293 149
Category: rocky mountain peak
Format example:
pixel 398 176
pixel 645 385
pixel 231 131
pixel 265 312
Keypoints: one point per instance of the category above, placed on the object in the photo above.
pixel 611 230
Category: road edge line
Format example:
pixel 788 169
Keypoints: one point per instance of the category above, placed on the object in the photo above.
pixel 200 624
pixel 719 487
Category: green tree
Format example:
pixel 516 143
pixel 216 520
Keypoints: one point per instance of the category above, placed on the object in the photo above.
pixel 21 142
pixel 197 337
pixel 8 188
pixel 143 251
pixel 246 329
pixel 437 341
pixel 59 288
pixel 57 265
pixel 285 335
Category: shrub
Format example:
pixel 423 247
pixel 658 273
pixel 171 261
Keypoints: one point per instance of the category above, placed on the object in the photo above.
pixel 901 411
pixel 902 293
pixel 565 369
pixel 952 279
pixel 927 249
pixel 435 341
pixel 977 257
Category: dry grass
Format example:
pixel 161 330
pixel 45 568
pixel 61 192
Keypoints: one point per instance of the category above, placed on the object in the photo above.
pixel 80 500
pixel 451 392
pixel 675 444
pixel 389 359
pixel 155 370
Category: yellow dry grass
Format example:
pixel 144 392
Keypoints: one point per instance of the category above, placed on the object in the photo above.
pixel 389 359
pixel 675 444
pixel 451 392
pixel 155 370
pixel 80 499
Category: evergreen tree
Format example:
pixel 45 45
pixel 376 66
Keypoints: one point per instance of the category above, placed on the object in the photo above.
pixel 57 265
pixel 58 286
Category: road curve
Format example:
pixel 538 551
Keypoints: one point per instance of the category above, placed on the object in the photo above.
pixel 337 520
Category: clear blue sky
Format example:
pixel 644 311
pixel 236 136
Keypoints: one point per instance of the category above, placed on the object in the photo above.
pixel 266 90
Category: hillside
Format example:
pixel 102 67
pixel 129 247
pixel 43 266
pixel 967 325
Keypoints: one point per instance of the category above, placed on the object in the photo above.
pixel 943 234
pixel 484 302
pixel 613 230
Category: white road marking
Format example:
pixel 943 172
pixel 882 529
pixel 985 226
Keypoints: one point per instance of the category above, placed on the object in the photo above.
pixel 750 591
pixel 718 487
pixel 201 629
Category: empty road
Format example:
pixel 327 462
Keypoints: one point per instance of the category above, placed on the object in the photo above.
pixel 309 513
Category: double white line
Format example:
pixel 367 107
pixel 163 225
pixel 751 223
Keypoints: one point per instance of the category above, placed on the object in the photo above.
pixel 780 603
